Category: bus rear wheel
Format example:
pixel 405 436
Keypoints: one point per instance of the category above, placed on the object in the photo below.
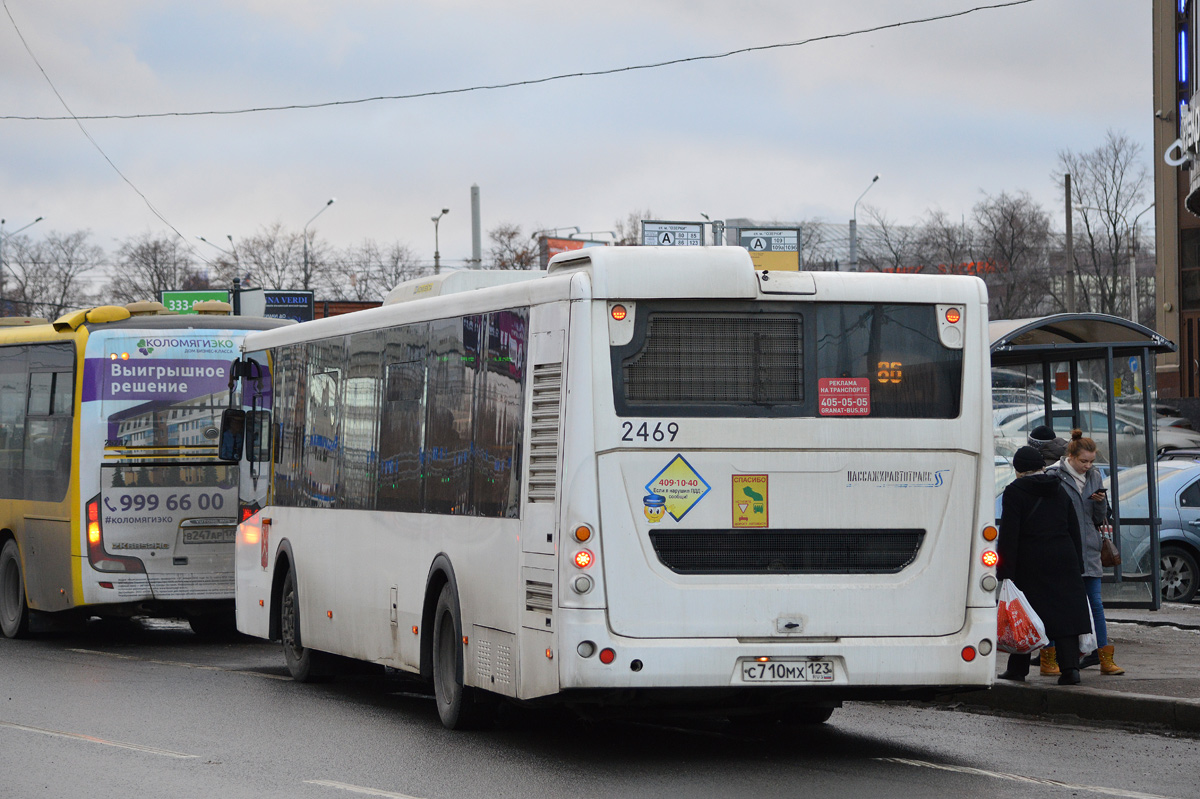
pixel 14 612
pixel 304 664
pixel 459 707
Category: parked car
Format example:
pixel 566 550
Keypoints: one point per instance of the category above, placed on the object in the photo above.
pixel 1130 429
pixel 1179 536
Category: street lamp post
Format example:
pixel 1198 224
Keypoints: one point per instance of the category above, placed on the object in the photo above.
pixel 1133 314
pixel 437 255
pixel 331 201
pixel 3 277
pixel 854 227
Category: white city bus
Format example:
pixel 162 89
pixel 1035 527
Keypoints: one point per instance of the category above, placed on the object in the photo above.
pixel 112 499
pixel 647 475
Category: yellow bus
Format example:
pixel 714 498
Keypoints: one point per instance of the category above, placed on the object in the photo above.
pixel 112 499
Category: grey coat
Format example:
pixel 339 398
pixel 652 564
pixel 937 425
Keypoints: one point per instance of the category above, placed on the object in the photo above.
pixel 1090 513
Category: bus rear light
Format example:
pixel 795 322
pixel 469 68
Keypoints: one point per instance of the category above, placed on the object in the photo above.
pixel 106 585
pixel 586 649
pixel 584 558
pixel 953 315
pixel 607 655
pixel 549 654
pixel 990 558
pixel 990 533
pixel 988 583
pixel 582 584
pixel 985 647
pixel 414 629
pixel 247 512
pixel 968 653
pixel 583 533
pixel 97 557
pixel 619 313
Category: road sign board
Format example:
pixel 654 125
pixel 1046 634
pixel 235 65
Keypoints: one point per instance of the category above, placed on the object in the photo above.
pixel 773 248
pixel 672 234
pixel 182 301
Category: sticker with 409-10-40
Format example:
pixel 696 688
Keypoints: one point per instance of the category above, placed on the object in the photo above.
pixel 675 490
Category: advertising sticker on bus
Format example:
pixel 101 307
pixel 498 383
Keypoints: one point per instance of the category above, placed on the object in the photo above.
pixel 679 486
pixel 844 396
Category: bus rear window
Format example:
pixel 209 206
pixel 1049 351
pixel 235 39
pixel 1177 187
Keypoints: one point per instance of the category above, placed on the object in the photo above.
pixel 776 359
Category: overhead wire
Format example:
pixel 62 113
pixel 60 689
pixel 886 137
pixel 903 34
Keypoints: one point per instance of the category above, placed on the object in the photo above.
pixel 529 82
pixel 94 143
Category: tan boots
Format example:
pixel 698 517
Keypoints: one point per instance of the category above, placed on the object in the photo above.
pixel 1049 662
pixel 1106 661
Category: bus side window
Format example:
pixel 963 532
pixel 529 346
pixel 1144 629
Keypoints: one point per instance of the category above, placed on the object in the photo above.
pixel 258 436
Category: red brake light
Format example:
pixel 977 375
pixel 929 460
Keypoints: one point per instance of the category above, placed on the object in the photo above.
pixel 247 512
pixel 990 558
pixel 607 655
pixel 584 558
pixel 968 653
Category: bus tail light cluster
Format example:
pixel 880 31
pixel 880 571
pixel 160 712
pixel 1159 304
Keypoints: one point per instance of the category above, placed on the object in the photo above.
pixel 583 560
pixel 97 557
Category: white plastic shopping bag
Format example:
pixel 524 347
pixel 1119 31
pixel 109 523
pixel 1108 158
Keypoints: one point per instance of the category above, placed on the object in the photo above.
pixel 1088 643
pixel 1019 630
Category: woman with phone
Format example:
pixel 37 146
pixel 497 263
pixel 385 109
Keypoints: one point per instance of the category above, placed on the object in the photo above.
pixel 1081 479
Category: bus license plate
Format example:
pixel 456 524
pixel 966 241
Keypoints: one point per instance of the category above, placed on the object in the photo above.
pixel 220 535
pixel 787 671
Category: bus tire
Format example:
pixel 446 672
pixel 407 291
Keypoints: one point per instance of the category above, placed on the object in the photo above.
pixel 14 611
pixel 304 664
pixel 459 707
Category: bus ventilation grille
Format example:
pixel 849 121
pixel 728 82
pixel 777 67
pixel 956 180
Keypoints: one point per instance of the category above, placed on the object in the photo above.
pixel 539 596
pixel 718 359
pixel 543 435
pixel 814 551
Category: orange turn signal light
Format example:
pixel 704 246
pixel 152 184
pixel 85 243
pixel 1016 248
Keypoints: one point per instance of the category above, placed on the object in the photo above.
pixel 583 533
pixel 619 313
pixel 990 533
pixel 952 316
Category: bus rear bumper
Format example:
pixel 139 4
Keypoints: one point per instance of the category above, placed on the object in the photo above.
pixel 875 668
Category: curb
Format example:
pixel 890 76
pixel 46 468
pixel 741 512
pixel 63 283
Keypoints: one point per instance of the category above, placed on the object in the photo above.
pixel 1149 623
pixel 1181 715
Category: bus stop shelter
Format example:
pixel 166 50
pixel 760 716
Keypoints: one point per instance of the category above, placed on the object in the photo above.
pixel 1094 372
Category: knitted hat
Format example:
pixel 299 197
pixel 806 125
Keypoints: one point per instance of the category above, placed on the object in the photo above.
pixel 1041 433
pixel 1027 459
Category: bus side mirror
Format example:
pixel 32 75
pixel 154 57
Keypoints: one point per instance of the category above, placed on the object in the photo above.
pixel 258 436
pixel 233 434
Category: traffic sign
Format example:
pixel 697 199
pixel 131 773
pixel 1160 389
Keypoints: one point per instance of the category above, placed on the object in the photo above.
pixel 672 234
pixel 182 301
pixel 773 248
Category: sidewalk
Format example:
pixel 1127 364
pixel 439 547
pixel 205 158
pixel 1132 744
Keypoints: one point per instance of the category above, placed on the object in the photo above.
pixel 1160 652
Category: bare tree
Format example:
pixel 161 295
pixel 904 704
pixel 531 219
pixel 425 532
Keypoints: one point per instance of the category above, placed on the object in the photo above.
pixel 946 246
pixel 47 275
pixel 368 271
pixel 1110 184
pixel 275 259
pixel 510 249
pixel 629 229
pixel 149 264
pixel 1013 239
pixel 892 247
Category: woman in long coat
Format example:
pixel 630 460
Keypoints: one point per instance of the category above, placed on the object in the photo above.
pixel 1041 552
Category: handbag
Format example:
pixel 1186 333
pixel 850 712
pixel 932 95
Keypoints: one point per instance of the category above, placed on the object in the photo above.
pixel 1109 554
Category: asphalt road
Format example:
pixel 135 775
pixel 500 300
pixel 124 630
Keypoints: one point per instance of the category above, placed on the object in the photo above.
pixel 131 711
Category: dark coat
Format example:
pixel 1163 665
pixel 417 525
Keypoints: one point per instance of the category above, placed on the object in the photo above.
pixel 1040 551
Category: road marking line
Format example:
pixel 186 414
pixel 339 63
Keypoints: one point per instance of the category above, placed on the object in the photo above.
pixel 342 786
pixel 179 663
pixel 999 775
pixel 150 750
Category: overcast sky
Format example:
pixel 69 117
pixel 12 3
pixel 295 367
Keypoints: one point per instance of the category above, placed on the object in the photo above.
pixel 944 111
